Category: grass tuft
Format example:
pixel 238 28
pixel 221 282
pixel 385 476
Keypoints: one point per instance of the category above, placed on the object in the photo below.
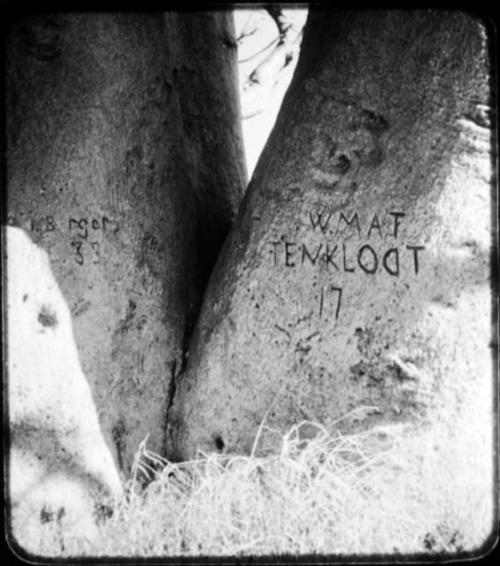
pixel 391 489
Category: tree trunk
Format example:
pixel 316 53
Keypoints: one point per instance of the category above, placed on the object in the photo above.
pixel 59 466
pixel 357 276
pixel 117 125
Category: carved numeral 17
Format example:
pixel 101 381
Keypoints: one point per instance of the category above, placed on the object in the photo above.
pixel 321 299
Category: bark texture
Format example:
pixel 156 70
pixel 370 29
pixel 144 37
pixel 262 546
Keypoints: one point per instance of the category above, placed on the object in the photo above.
pixel 357 275
pixel 116 126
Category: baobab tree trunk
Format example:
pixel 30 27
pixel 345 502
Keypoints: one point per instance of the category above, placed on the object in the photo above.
pixel 357 276
pixel 117 125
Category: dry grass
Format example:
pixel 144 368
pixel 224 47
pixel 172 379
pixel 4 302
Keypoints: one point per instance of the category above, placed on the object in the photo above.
pixel 388 490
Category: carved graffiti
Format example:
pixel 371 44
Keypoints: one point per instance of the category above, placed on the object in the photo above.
pixel 349 246
pixel 81 229
pixel 83 233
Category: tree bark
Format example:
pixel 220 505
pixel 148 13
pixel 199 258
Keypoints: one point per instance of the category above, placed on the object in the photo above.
pixel 354 289
pixel 116 128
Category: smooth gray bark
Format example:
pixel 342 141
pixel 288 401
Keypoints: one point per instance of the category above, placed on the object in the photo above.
pixel 124 163
pixel 357 276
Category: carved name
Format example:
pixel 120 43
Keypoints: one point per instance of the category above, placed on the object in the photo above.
pixel 347 245
pixel 324 221
pixel 338 255
pixel 80 229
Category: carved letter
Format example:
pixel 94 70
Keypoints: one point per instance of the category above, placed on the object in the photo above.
pixel 348 269
pixel 395 269
pixel 305 253
pixel 375 224
pixel 347 222
pixel 288 254
pixel 415 249
pixel 319 221
pixel 275 255
pixel 328 256
pixel 397 216
pixel 82 225
pixel 365 268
